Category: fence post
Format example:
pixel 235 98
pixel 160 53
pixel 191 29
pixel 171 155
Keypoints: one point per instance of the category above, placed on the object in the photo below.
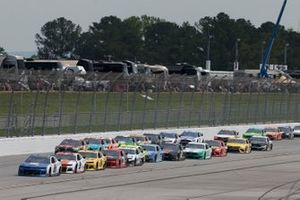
pixel 61 107
pixel 9 113
pixel 105 110
pixel 34 112
pixel 168 107
pixel 180 105
pixel 76 110
pixel 45 111
pixel 120 108
pixel 191 110
pixel 133 102
pixel 93 110
pixel 156 103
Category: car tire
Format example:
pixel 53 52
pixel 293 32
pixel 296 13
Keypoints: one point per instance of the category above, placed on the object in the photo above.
pixel 59 171
pixel 49 173
pixel 97 166
pixel 155 158
pixel 204 157
pixel 271 147
pixel 75 169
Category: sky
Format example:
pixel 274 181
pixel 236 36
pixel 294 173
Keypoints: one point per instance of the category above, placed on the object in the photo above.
pixel 21 19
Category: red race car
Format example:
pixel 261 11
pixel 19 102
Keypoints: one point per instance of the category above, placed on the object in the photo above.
pixel 218 147
pixel 273 133
pixel 116 158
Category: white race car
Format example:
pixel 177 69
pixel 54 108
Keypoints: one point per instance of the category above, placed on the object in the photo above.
pixel 190 136
pixel 134 156
pixel 170 137
pixel 224 135
pixel 296 131
pixel 71 162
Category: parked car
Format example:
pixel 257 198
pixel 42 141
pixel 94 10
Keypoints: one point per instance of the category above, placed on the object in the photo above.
pixel 241 145
pixel 154 152
pixel 296 131
pixel 218 147
pixel 172 151
pixel 154 138
pixel 198 150
pixel 71 162
pixel 95 160
pixel 273 133
pixel 70 145
pixel 170 137
pixel 190 136
pixel 116 158
pixel 286 132
pixel 40 165
pixel 254 132
pixel 223 135
pixel 134 156
pixel 261 143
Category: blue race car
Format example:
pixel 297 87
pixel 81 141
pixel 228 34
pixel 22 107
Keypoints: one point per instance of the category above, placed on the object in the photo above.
pixel 96 144
pixel 154 152
pixel 40 165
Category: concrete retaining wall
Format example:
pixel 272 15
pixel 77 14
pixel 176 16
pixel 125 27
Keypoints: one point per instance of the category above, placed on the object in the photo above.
pixel 43 144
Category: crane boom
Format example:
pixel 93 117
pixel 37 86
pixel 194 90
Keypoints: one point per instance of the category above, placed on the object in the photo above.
pixel 263 69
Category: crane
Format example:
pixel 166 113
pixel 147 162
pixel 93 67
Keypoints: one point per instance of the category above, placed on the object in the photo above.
pixel 266 57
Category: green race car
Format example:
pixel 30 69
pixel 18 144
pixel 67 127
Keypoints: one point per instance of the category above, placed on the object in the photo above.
pixel 254 132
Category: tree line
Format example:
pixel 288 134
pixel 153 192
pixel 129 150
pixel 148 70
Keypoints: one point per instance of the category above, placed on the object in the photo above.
pixel 156 41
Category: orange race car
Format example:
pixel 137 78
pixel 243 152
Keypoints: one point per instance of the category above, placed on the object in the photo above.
pixel 273 133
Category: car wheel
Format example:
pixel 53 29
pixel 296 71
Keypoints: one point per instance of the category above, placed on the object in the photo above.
pixel 59 171
pixel 204 157
pixel 75 169
pixel 49 173
pixel 97 166
pixel 271 147
pixel 155 158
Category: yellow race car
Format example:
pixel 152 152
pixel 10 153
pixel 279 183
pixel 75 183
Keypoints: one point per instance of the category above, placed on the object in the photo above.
pixel 95 160
pixel 239 144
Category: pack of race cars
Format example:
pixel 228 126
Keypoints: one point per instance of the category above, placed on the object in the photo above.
pixel 78 156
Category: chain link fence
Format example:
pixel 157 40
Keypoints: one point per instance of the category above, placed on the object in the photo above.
pixel 41 102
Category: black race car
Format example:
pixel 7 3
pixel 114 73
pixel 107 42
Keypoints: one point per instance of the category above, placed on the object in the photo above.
pixel 172 151
pixel 287 132
pixel 261 143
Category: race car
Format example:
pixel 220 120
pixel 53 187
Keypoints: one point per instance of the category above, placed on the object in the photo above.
pixel 241 145
pixel 70 145
pixel 134 155
pixel 154 138
pixel 218 147
pixel 95 160
pixel 154 152
pixel 254 132
pixel 223 135
pixel 170 137
pixel 141 139
pixel 111 143
pixel 40 165
pixel 144 152
pixel 198 150
pixel 116 158
pixel 286 132
pixel 296 131
pixel 71 162
pixel 125 140
pixel 190 136
pixel 95 144
pixel 261 143
pixel 172 151
pixel 273 133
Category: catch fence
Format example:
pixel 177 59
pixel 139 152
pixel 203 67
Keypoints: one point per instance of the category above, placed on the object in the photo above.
pixel 41 103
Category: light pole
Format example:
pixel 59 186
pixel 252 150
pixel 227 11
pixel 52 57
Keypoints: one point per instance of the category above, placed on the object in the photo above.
pixel 236 61
pixel 262 50
pixel 285 53
pixel 208 62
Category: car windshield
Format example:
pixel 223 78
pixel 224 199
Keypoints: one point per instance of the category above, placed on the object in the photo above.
pixel 149 148
pixel 105 141
pixel 170 147
pixel 168 135
pixel 238 141
pixel 71 142
pixel 66 157
pixel 92 141
pixel 270 129
pixel 38 159
pixel 129 151
pixel 113 154
pixel 253 130
pixel 124 139
pixel 283 129
pixel 190 134
pixel 257 139
pixel 213 143
pixel 297 128
pixel 89 154
pixel 139 138
pixel 227 132
pixel 195 146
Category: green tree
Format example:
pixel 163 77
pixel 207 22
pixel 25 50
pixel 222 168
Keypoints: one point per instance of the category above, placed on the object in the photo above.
pixel 2 51
pixel 58 39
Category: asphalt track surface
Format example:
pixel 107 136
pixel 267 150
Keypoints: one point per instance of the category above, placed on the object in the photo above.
pixel 258 175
